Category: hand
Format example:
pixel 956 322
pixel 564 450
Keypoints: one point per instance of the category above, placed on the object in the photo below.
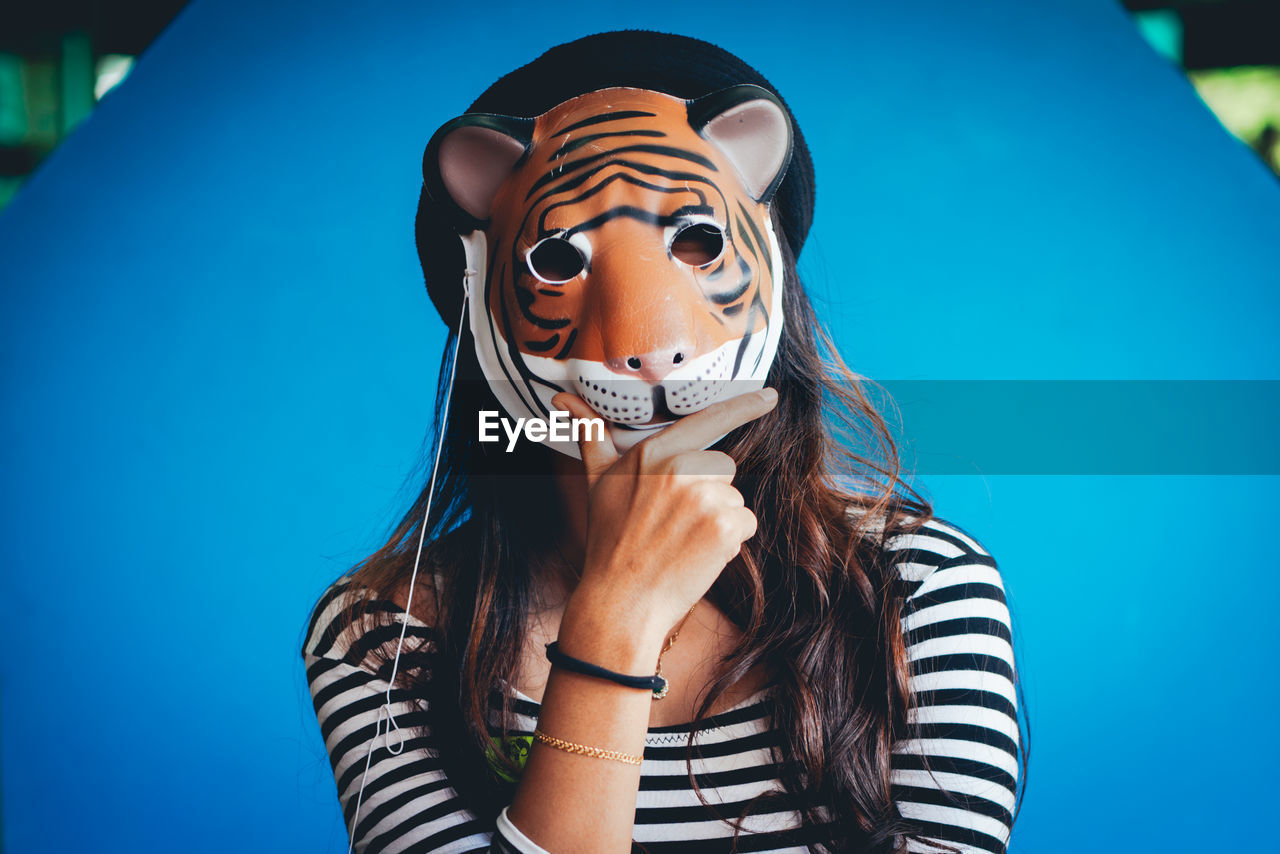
pixel 663 519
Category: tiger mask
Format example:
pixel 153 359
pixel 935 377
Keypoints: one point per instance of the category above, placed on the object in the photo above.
pixel 620 247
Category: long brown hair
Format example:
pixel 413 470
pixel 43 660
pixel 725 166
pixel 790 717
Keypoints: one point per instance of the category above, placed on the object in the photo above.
pixel 813 593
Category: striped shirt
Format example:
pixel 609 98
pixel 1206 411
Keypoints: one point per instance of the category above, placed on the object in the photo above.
pixel 959 642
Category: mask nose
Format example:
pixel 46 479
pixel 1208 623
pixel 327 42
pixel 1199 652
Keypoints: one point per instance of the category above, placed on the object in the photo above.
pixel 652 367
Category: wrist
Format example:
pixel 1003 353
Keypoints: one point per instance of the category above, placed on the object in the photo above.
pixel 610 633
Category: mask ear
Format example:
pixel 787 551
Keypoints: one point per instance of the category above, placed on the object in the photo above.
pixel 750 126
pixel 467 160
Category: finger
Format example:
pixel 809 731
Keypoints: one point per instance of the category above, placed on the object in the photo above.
pixel 718 502
pixel 713 465
pixel 724 495
pixel 597 453
pixel 735 525
pixel 697 431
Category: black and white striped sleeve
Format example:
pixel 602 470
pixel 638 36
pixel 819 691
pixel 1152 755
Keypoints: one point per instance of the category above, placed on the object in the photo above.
pixel 408 804
pixel 957 775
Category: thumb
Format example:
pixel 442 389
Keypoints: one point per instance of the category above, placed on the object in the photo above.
pixel 596 446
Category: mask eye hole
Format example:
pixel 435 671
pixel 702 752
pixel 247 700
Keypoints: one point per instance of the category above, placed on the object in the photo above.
pixel 698 245
pixel 555 260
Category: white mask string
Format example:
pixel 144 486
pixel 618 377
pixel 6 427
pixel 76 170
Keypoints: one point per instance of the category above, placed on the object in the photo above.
pixel 385 709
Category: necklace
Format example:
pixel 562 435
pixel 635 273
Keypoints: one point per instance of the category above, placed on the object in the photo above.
pixel 658 695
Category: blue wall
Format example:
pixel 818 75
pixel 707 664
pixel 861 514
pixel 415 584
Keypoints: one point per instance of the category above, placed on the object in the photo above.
pixel 218 366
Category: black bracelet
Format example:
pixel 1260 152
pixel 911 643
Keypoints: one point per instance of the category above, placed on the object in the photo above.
pixel 656 684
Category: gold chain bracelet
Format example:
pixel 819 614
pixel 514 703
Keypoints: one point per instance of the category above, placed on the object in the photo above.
pixel 598 752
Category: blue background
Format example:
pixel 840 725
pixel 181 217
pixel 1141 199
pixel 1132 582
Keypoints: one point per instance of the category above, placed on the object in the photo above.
pixel 218 366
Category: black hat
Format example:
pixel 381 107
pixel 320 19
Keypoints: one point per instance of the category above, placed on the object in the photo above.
pixel 677 65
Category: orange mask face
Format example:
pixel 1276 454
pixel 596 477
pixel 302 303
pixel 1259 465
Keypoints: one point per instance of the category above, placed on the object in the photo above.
pixel 619 246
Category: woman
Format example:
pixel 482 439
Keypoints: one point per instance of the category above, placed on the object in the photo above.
pixel 758 640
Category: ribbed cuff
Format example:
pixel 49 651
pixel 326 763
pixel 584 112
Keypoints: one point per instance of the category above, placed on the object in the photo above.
pixel 514 839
